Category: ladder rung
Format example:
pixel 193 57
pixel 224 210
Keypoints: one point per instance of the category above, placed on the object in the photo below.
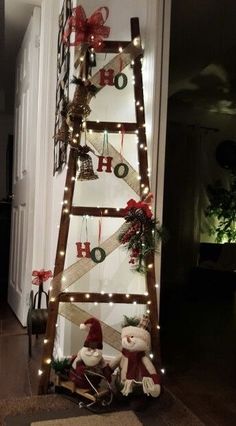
pixel 111 127
pixel 112 46
pixel 97 211
pixel 103 298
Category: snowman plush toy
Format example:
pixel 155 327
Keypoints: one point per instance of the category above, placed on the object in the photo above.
pixel 90 357
pixel 137 373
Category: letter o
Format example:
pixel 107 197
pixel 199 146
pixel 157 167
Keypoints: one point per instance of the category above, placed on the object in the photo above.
pixel 118 77
pixel 94 257
pixel 119 173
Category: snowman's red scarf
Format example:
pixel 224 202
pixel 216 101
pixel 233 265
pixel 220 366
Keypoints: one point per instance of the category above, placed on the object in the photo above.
pixel 136 370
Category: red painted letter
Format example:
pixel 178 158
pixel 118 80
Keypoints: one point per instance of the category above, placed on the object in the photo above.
pixel 106 77
pixel 85 249
pixel 104 162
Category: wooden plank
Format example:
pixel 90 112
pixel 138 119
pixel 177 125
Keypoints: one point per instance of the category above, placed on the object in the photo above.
pixel 113 46
pixel 111 127
pixel 109 46
pixel 76 297
pixel 97 211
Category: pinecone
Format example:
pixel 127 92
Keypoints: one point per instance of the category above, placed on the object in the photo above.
pixel 137 214
pixel 141 216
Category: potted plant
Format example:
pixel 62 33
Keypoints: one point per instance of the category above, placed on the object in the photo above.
pixel 222 207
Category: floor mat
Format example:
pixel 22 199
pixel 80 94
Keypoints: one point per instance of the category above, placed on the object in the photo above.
pixel 124 418
pixel 163 411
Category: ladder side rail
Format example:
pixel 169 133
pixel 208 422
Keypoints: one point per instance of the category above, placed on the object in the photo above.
pixel 145 185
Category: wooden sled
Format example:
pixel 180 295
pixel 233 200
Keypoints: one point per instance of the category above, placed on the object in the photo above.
pixel 95 399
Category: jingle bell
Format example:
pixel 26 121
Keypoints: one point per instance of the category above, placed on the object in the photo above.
pixel 85 164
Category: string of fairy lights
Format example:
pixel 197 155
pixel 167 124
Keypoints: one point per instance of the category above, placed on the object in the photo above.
pixel 67 297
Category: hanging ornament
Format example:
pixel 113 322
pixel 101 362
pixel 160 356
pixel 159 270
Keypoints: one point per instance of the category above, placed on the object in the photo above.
pixel 90 31
pixel 83 249
pixel 121 79
pixel 121 170
pixel 106 77
pixel 98 255
pixel 104 160
pixel 142 233
pixel 85 163
pixel 79 107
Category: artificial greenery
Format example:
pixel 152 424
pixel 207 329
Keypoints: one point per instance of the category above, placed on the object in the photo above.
pixel 140 235
pixel 61 365
pixel 222 206
pixel 130 321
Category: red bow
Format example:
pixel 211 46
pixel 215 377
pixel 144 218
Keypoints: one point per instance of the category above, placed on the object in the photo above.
pixel 41 276
pixel 132 204
pixel 87 30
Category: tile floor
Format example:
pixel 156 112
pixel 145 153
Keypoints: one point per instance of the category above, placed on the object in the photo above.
pixel 18 372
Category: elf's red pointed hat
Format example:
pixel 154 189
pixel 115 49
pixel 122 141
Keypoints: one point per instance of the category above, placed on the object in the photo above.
pixel 94 338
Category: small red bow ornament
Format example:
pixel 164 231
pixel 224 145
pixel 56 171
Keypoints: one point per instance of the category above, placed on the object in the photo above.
pixel 41 276
pixel 132 204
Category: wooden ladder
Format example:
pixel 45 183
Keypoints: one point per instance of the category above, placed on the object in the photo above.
pixel 57 294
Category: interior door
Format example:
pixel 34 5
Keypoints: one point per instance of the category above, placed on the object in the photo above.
pixel 24 170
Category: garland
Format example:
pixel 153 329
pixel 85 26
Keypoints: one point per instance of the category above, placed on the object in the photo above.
pixel 141 234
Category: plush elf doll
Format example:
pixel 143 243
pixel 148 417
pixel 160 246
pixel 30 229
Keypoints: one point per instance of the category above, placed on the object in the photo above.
pixel 136 368
pixel 89 357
